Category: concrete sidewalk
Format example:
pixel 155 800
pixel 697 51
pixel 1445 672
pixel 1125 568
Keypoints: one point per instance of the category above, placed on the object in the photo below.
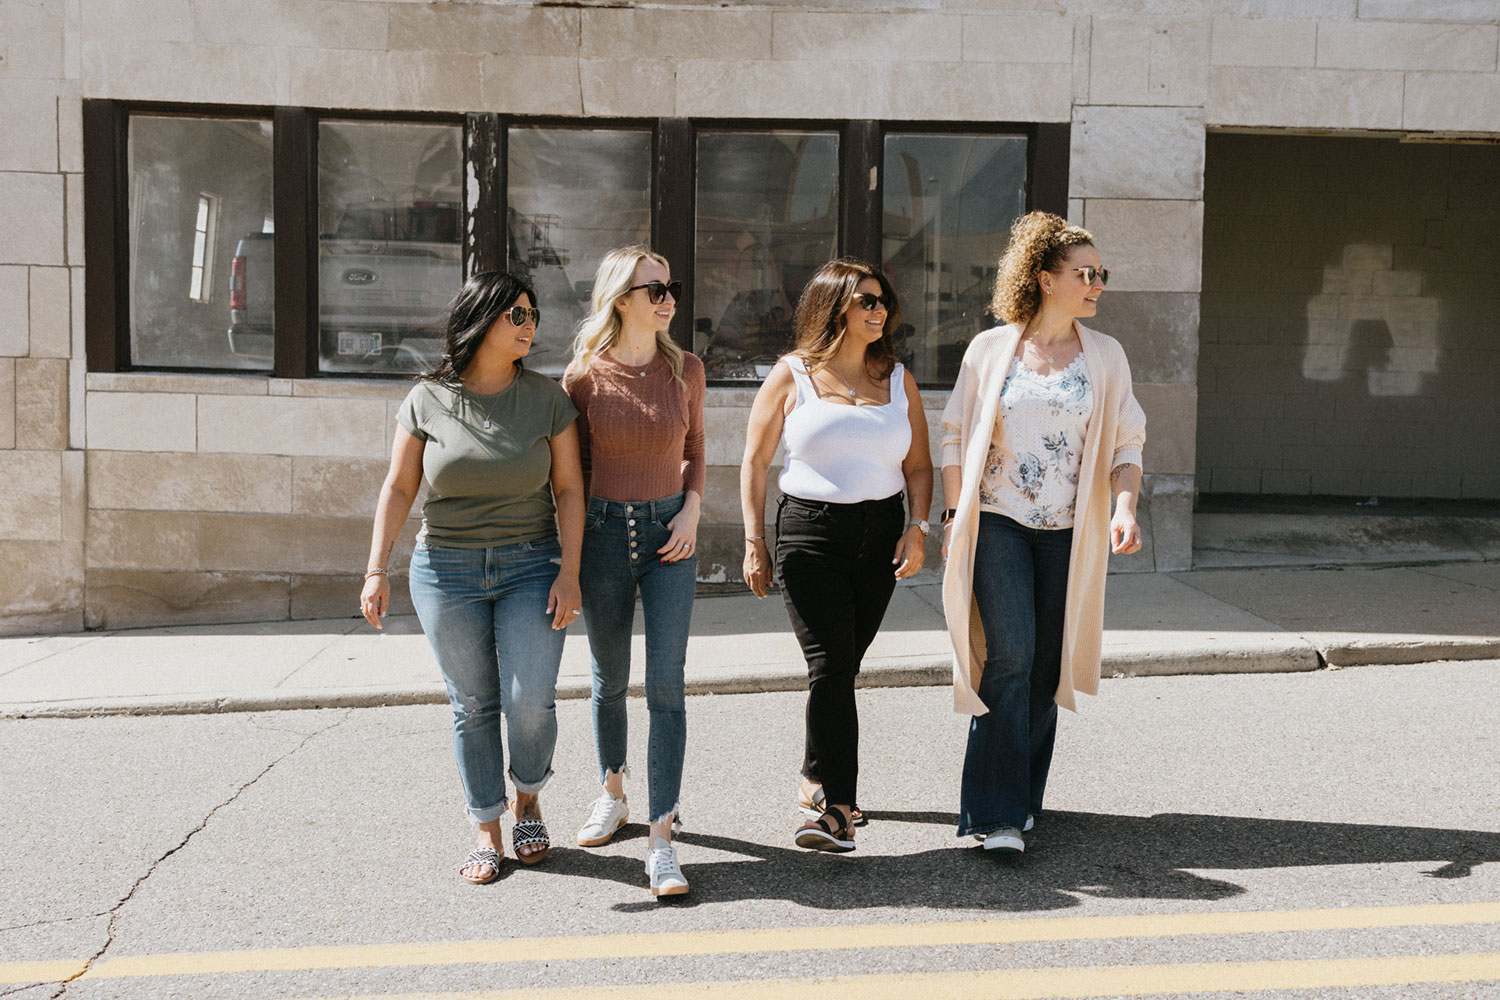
pixel 1209 621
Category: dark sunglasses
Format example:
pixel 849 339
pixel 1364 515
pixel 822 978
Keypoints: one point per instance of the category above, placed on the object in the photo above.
pixel 1089 273
pixel 872 302
pixel 657 291
pixel 518 315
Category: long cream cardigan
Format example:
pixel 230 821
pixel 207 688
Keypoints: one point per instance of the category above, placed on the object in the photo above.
pixel 1116 431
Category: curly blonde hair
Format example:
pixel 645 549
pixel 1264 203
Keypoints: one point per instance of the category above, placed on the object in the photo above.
pixel 1039 241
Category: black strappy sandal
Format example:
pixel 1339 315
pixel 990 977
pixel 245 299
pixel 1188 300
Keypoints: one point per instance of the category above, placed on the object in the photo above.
pixel 530 833
pixel 829 832
pixel 485 856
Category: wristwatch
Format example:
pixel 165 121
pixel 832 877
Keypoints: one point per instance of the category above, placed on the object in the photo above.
pixel 922 526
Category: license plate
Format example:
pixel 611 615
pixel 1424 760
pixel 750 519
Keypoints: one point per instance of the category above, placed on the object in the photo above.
pixel 358 343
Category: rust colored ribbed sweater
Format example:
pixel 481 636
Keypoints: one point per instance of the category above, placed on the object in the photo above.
pixel 641 431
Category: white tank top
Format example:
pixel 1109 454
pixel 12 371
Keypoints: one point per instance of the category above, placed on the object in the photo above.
pixel 840 453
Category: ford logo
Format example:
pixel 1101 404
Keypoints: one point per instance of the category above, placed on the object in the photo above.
pixel 359 277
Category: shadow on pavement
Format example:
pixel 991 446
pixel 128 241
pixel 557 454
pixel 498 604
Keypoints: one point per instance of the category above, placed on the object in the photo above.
pixel 1070 854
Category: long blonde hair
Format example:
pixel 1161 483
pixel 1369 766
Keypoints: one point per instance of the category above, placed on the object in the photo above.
pixel 598 331
pixel 1039 241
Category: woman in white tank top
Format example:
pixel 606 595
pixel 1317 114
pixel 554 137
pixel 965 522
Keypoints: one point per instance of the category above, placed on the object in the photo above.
pixel 856 437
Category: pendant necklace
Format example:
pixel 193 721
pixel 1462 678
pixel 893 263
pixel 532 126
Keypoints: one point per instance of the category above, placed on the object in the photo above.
pixel 489 411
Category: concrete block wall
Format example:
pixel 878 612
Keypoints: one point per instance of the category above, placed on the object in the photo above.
pixel 120 485
pixel 1351 338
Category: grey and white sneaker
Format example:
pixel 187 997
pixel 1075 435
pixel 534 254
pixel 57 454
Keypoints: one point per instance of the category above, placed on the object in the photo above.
pixel 1030 822
pixel 664 871
pixel 1007 839
pixel 608 815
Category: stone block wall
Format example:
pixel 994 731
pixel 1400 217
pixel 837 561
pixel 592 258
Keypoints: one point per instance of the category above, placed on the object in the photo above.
pixel 1351 339
pixel 140 498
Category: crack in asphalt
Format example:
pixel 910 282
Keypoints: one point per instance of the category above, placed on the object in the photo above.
pixel 114 911
pixel 54 920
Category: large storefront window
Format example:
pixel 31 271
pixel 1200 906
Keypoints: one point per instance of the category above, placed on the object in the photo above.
pixel 572 195
pixel 949 203
pixel 389 251
pixel 199 207
pixel 767 218
pixel 378 222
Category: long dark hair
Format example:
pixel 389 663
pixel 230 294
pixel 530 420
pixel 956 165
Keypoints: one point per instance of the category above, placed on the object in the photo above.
pixel 484 298
pixel 821 307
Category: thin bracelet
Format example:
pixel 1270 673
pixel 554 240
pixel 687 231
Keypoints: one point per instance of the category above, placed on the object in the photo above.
pixel 755 538
pixel 382 571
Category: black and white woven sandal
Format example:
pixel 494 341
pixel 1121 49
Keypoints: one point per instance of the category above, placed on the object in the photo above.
pixel 527 833
pixel 481 856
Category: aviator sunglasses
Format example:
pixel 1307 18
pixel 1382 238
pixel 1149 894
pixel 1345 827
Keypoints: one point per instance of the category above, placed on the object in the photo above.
pixel 518 315
pixel 657 291
pixel 1090 273
pixel 871 302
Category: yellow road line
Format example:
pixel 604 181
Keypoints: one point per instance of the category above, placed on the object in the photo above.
pixel 1051 984
pixel 785 939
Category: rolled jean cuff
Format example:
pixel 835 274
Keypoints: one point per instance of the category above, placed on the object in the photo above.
pixel 489 813
pixel 530 787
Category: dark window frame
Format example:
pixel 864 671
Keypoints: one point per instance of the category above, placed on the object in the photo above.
pixel 485 246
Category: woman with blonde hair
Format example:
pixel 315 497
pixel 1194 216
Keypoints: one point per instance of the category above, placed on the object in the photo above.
pixel 640 423
pixel 856 438
pixel 1041 425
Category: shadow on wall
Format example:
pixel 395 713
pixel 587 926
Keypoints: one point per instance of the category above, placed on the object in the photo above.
pixel 1372 320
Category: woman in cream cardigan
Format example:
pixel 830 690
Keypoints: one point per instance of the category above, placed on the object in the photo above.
pixel 1041 425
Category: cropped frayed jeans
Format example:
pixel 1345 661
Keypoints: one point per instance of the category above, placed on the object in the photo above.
pixel 620 540
pixel 833 561
pixel 1021 590
pixel 485 615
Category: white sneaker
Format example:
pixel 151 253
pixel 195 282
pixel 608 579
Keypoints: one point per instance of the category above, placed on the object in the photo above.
pixel 1006 839
pixel 1030 822
pixel 608 816
pixel 664 871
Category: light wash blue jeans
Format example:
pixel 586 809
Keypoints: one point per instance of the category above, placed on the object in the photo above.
pixel 485 615
pixel 620 540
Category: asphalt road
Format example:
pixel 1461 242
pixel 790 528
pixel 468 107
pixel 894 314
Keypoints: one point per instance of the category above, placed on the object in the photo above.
pixel 1329 834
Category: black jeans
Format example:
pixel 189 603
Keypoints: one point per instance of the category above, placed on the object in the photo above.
pixel 833 562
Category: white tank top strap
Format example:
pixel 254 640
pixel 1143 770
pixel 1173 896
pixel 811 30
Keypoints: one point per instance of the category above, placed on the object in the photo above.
pixel 801 378
pixel 898 385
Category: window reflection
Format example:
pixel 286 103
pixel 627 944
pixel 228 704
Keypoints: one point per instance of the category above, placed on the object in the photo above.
pixel 389 252
pixel 949 203
pixel 572 195
pixel 767 218
pixel 182 237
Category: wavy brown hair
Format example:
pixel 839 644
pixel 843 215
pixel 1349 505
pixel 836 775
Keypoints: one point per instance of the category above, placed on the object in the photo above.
pixel 820 312
pixel 1039 241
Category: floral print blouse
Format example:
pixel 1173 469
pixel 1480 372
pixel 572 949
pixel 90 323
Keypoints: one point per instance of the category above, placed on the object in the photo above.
pixel 1031 474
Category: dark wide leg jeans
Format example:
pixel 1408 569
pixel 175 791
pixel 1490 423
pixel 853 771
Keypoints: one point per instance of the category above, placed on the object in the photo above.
pixel 833 562
pixel 1021 588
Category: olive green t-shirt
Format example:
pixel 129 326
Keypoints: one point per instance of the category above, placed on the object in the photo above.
pixel 488 486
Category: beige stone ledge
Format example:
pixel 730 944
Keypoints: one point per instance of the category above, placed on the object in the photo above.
pixel 15 306
pixel 1158 244
pixel 1018 38
pixel 351 388
pixel 34 494
pixel 1149 61
pixel 51 317
pixel 141 421
pixel 1137 152
pixel 1254 41
pixel 911 36
pixel 980 92
pixel 1304 98
pixel 132 69
pixel 31 218
pixel 41 578
pixel 275 543
pixel 524 32
pixel 134 539
pixel 161 20
pixel 42 403
pixel 429 81
pixel 7 402
pixel 1171 427
pixel 338 487
pixel 1460 102
pixel 189 481
pixel 28 120
pixel 126 598
pixel 47 623
pixel 712 33
pixel 1390 45
pixel 298 23
pixel 546 85
pixel 1432 10
pixel 290 426
pixel 627 88
pixel 177 382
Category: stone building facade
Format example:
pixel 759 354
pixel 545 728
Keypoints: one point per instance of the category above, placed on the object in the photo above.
pixel 1273 182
